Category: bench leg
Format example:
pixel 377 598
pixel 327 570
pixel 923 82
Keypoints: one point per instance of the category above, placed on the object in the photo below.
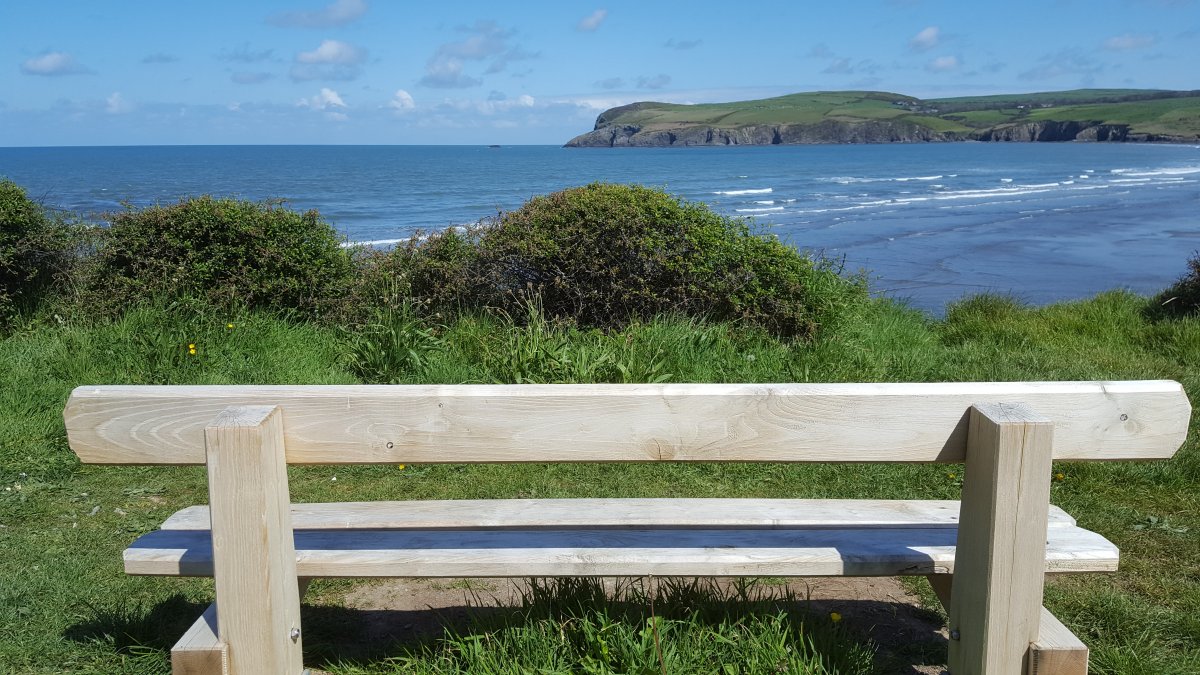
pixel 1056 652
pixel 200 651
pixel 254 556
pixel 1000 561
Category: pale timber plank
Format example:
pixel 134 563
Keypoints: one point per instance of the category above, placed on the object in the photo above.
pixel 200 651
pixel 253 554
pixel 996 599
pixel 598 513
pixel 615 552
pixel 683 422
pixel 1057 650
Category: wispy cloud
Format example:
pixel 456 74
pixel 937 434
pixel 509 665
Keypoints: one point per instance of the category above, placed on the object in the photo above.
pixel 925 40
pixel 672 43
pixel 1129 42
pixel 1064 63
pixel 485 41
pixel 54 64
pixel 611 83
pixel 653 81
pixel 339 13
pixel 116 104
pixel 250 78
pixel 943 64
pixel 160 57
pixel 331 60
pixel 244 54
pixel 592 21
pixel 402 101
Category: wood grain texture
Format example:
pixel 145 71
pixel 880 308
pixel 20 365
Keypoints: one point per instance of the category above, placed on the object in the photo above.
pixel 254 558
pixel 200 651
pixel 854 551
pixel 996 598
pixel 681 422
pixel 599 513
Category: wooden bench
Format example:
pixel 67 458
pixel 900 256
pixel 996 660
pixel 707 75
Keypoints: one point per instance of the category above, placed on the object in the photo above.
pixel 986 557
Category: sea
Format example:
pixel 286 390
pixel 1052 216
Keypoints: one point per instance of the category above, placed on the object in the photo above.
pixel 928 223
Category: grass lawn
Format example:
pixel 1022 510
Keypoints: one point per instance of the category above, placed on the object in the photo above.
pixel 66 606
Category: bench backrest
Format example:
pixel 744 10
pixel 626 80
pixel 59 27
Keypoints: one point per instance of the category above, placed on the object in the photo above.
pixel 364 424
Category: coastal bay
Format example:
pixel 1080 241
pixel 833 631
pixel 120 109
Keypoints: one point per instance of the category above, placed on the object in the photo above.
pixel 929 223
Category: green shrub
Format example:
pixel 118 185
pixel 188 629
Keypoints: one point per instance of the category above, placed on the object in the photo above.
pixel 33 250
pixel 228 252
pixel 604 255
pixel 1182 297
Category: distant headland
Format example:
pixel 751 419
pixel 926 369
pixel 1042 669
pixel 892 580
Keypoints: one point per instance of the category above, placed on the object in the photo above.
pixel 1113 115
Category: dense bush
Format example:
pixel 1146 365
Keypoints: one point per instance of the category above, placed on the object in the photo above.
pixel 1182 297
pixel 604 255
pixel 33 249
pixel 225 251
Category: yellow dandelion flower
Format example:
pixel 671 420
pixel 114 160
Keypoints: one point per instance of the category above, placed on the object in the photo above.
pixel 191 345
pixel 951 476
pixel 400 466
pixel 229 326
pixel 835 617
pixel 192 351
pixel 1059 476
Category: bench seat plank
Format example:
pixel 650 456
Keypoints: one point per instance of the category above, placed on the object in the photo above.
pixel 532 513
pixel 850 551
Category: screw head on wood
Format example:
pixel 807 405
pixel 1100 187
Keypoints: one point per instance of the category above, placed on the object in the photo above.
pixel 955 635
pixel 294 634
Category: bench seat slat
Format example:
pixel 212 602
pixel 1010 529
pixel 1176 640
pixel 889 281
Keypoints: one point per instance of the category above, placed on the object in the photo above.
pixel 532 513
pixel 857 551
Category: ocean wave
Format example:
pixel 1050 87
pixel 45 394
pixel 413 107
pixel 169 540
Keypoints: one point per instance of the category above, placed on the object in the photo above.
pixel 771 209
pixel 756 191
pixel 768 202
pixel 1174 171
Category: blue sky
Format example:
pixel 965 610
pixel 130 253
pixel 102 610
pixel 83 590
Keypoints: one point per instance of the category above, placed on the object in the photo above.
pixel 86 72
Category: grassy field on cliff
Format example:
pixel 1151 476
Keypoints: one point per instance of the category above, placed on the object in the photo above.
pixel 67 606
pixel 1144 111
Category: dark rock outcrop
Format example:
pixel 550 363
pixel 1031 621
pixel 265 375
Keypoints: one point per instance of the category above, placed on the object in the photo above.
pixel 827 131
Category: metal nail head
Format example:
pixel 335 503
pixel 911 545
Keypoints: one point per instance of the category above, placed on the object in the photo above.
pixel 295 634
pixel 954 634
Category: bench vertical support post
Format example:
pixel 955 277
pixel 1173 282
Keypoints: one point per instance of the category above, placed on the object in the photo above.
pixel 1000 562
pixel 254 555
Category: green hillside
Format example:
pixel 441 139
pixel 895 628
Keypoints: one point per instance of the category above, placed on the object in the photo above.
pixel 1107 114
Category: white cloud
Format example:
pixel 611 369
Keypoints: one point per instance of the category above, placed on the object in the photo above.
pixel 402 101
pixel 52 64
pixel 611 83
pixel 943 64
pixel 925 40
pixel 331 60
pixel 115 104
pixel 325 100
pixel 339 13
pixel 332 51
pixel 1129 42
pixel 592 21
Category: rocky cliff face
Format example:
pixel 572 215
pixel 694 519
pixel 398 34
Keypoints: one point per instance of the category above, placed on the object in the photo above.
pixel 608 135
pixel 828 131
